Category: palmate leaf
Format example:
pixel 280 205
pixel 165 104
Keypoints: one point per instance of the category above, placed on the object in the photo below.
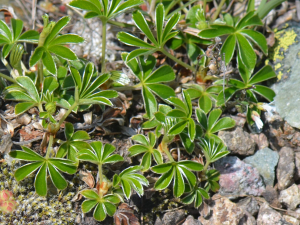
pixel 45 167
pixel 146 147
pixel 104 205
pixel 213 151
pixel 54 43
pixel 151 81
pixel 239 39
pixel 158 42
pixel 178 172
pixel 129 179
pixel 99 154
pixel 74 142
pixel 196 196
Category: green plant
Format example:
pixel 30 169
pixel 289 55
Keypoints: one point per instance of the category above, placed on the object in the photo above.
pixel 163 34
pixel 238 38
pixel 106 11
pixel 150 81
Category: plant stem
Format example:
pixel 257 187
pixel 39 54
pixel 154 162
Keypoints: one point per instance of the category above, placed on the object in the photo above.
pixel 7 78
pixel 100 176
pixel 103 67
pixel 49 149
pixel 164 148
pixel 176 60
pixel 75 104
pixel 40 74
pixel 204 7
pixel 215 16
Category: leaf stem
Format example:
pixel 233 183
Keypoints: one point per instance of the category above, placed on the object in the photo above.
pixel 164 148
pixel 215 16
pixel 176 60
pixel 49 149
pixel 103 67
pixel 75 104
pixel 100 176
pixel 8 78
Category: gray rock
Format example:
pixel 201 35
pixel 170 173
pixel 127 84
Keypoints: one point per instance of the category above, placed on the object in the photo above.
pixel 287 88
pixel 268 216
pixel 261 140
pixel 297 166
pixel 291 220
pixel 264 161
pixel 250 205
pixel 290 197
pixel 238 141
pixel 173 217
pixel 224 212
pixel 238 178
pixel 271 196
pixel 191 221
pixel 286 168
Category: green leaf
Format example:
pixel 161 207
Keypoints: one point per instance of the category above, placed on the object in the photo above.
pixel 192 129
pixel 17 27
pixel 157 156
pixel 4 29
pixel 91 194
pixel 201 118
pixel 25 155
pixel 56 29
pixel 23 107
pixel 99 212
pixel 177 103
pixel 170 25
pixel 191 165
pixel 178 187
pixel 150 102
pixel 112 198
pixel 265 92
pixel 163 168
pixel 110 208
pixel 205 103
pixel 113 159
pixel 63 52
pixel 178 128
pixel 93 6
pixel 49 62
pixel 176 113
pixel 162 74
pixel 57 179
pixel 228 48
pixel 264 74
pixel 146 161
pixel 215 31
pixel 26 170
pixel 67 39
pixel 40 182
pixel 213 118
pixel 64 165
pixel 161 90
pixel 142 24
pixel 30 36
pixel 159 20
pixel 36 56
pixel 131 40
pixel 187 142
pixel 222 124
pixel 258 38
pixel 229 92
pixel 88 205
pixel 126 5
pixel 29 86
pixel 140 139
pixel 139 52
pixel 50 84
pixel 246 52
pixel 164 180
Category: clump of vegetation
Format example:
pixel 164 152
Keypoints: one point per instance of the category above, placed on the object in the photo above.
pixel 190 119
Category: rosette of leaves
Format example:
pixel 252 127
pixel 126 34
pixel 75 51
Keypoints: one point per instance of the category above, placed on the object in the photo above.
pixel 52 44
pixel 104 205
pixel 9 37
pixel 176 171
pixel 129 179
pixel 183 112
pixel 25 92
pixel 212 124
pixel 163 34
pixel 146 146
pixel 87 91
pixel 74 142
pixel 239 37
pixel 248 87
pixel 150 81
pixel 46 166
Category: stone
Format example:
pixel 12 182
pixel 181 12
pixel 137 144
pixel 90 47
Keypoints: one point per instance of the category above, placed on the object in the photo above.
pixel 173 217
pixel 238 178
pixel 191 221
pixel 269 216
pixel 223 212
pixel 285 168
pixel 238 141
pixel 290 197
pixel 286 62
pixel 265 161
pixel 250 205
pixel 261 140
pixel 291 220
pixel 271 196
pixel 297 166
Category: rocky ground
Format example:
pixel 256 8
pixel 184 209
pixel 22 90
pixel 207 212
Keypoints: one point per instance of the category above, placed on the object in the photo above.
pixel 260 178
